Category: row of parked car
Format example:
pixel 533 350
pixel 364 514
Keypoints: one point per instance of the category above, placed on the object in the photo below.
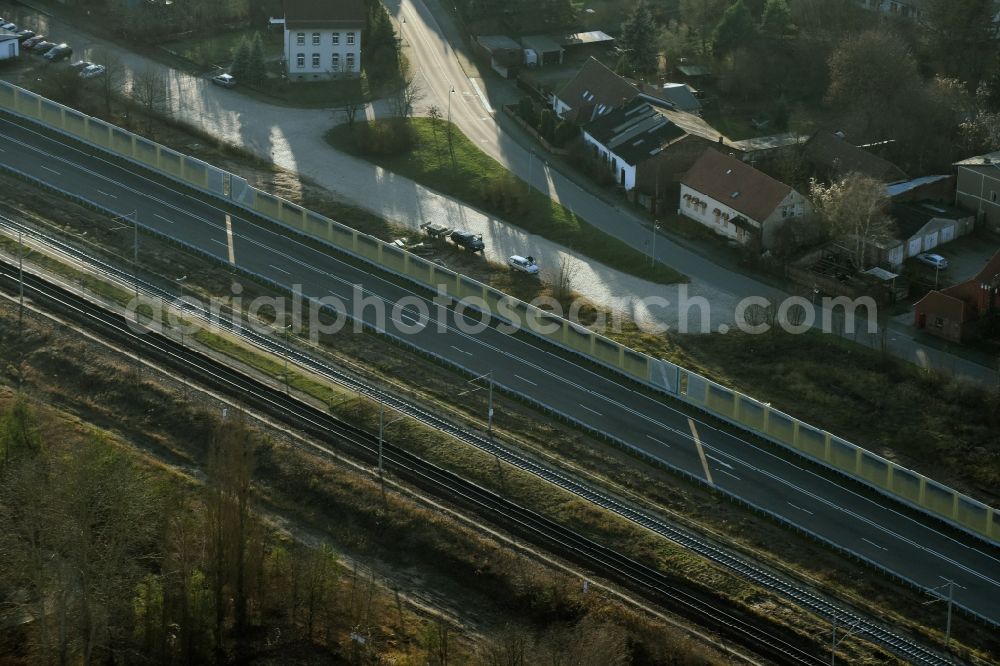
pixel 51 51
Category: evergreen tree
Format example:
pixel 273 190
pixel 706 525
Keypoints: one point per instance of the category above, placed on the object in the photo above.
pixel 256 66
pixel 777 18
pixel 737 28
pixel 241 60
pixel 639 40
pixel 991 96
pixel 547 125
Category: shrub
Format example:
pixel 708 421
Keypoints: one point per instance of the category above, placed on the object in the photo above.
pixel 388 137
pixel 564 133
pixel 505 194
pixel 547 125
pixel 526 110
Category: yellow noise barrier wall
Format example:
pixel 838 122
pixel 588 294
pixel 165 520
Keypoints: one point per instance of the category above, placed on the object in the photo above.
pixel 730 405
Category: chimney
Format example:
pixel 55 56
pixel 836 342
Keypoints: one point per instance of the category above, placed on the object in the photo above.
pixel 722 140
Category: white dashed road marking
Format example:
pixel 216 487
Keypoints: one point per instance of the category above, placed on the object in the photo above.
pixel 800 508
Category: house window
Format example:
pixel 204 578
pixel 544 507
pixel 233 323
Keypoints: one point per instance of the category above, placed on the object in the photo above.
pixel 939 322
pixel 315 61
pixel 336 38
pixel 315 39
pixel 350 62
pixel 335 62
pixel 300 39
pixel 300 60
pixel 350 38
pixel 993 196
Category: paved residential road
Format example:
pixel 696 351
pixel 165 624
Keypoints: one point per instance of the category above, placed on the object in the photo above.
pixel 831 510
pixel 293 139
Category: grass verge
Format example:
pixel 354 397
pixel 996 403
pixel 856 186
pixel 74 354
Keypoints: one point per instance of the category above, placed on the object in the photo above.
pixel 470 175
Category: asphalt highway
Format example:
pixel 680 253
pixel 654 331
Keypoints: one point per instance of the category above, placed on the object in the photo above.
pixel 874 529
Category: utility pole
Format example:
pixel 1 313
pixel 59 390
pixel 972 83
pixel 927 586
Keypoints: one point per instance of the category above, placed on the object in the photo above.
pixel 135 257
pixel 950 584
pixel 20 286
pixel 834 642
pixel 285 356
pixel 489 413
pixel 382 425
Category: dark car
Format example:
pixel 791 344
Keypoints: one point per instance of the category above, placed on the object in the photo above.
pixel 41 48
pixel 468 240
pixel 33 42
pixel 25 35
pixel 61 52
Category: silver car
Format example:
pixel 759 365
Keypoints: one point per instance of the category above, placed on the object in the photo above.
pixel 933 260
pixel 523 264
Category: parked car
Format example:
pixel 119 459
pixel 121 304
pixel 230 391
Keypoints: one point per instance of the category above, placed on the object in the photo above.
pixel 933 260
pixel 468 240
pixel 80 65
pixel 33 42
pixel 24 35
pixel 9 26
pixel 523 264
pixel 61 52
pixel 224 80
pixel 41 48
pixel 92 72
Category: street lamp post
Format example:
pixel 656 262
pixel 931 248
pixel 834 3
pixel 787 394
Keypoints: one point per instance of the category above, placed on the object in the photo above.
pixel 531 161
pixel 451 91
pixel 652 254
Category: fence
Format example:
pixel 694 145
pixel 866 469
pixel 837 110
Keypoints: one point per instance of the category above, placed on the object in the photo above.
pixel 883 475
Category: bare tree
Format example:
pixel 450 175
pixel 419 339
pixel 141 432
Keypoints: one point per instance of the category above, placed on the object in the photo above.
pixel 231 461
pixel 114 73
pixel 507 647
pixel 351 109
pixel 406 97
pixel 562 280
pixel 149 91
pixel 853 210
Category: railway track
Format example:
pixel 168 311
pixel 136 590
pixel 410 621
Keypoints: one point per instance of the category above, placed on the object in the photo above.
pixel 868 629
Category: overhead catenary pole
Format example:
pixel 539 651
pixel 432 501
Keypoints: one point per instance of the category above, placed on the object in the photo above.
pixel 488 376
pixel 950 599
pixel 834 641
pixel 382 425
pixel 20 285
pixel 285 356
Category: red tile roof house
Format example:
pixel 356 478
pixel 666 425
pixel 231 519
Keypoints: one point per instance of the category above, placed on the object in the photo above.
pixel 955 313
pixel 737 201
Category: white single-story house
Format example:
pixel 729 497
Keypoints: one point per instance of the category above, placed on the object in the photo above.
pixel 10 47
pixel 323 38
pixel 737 201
